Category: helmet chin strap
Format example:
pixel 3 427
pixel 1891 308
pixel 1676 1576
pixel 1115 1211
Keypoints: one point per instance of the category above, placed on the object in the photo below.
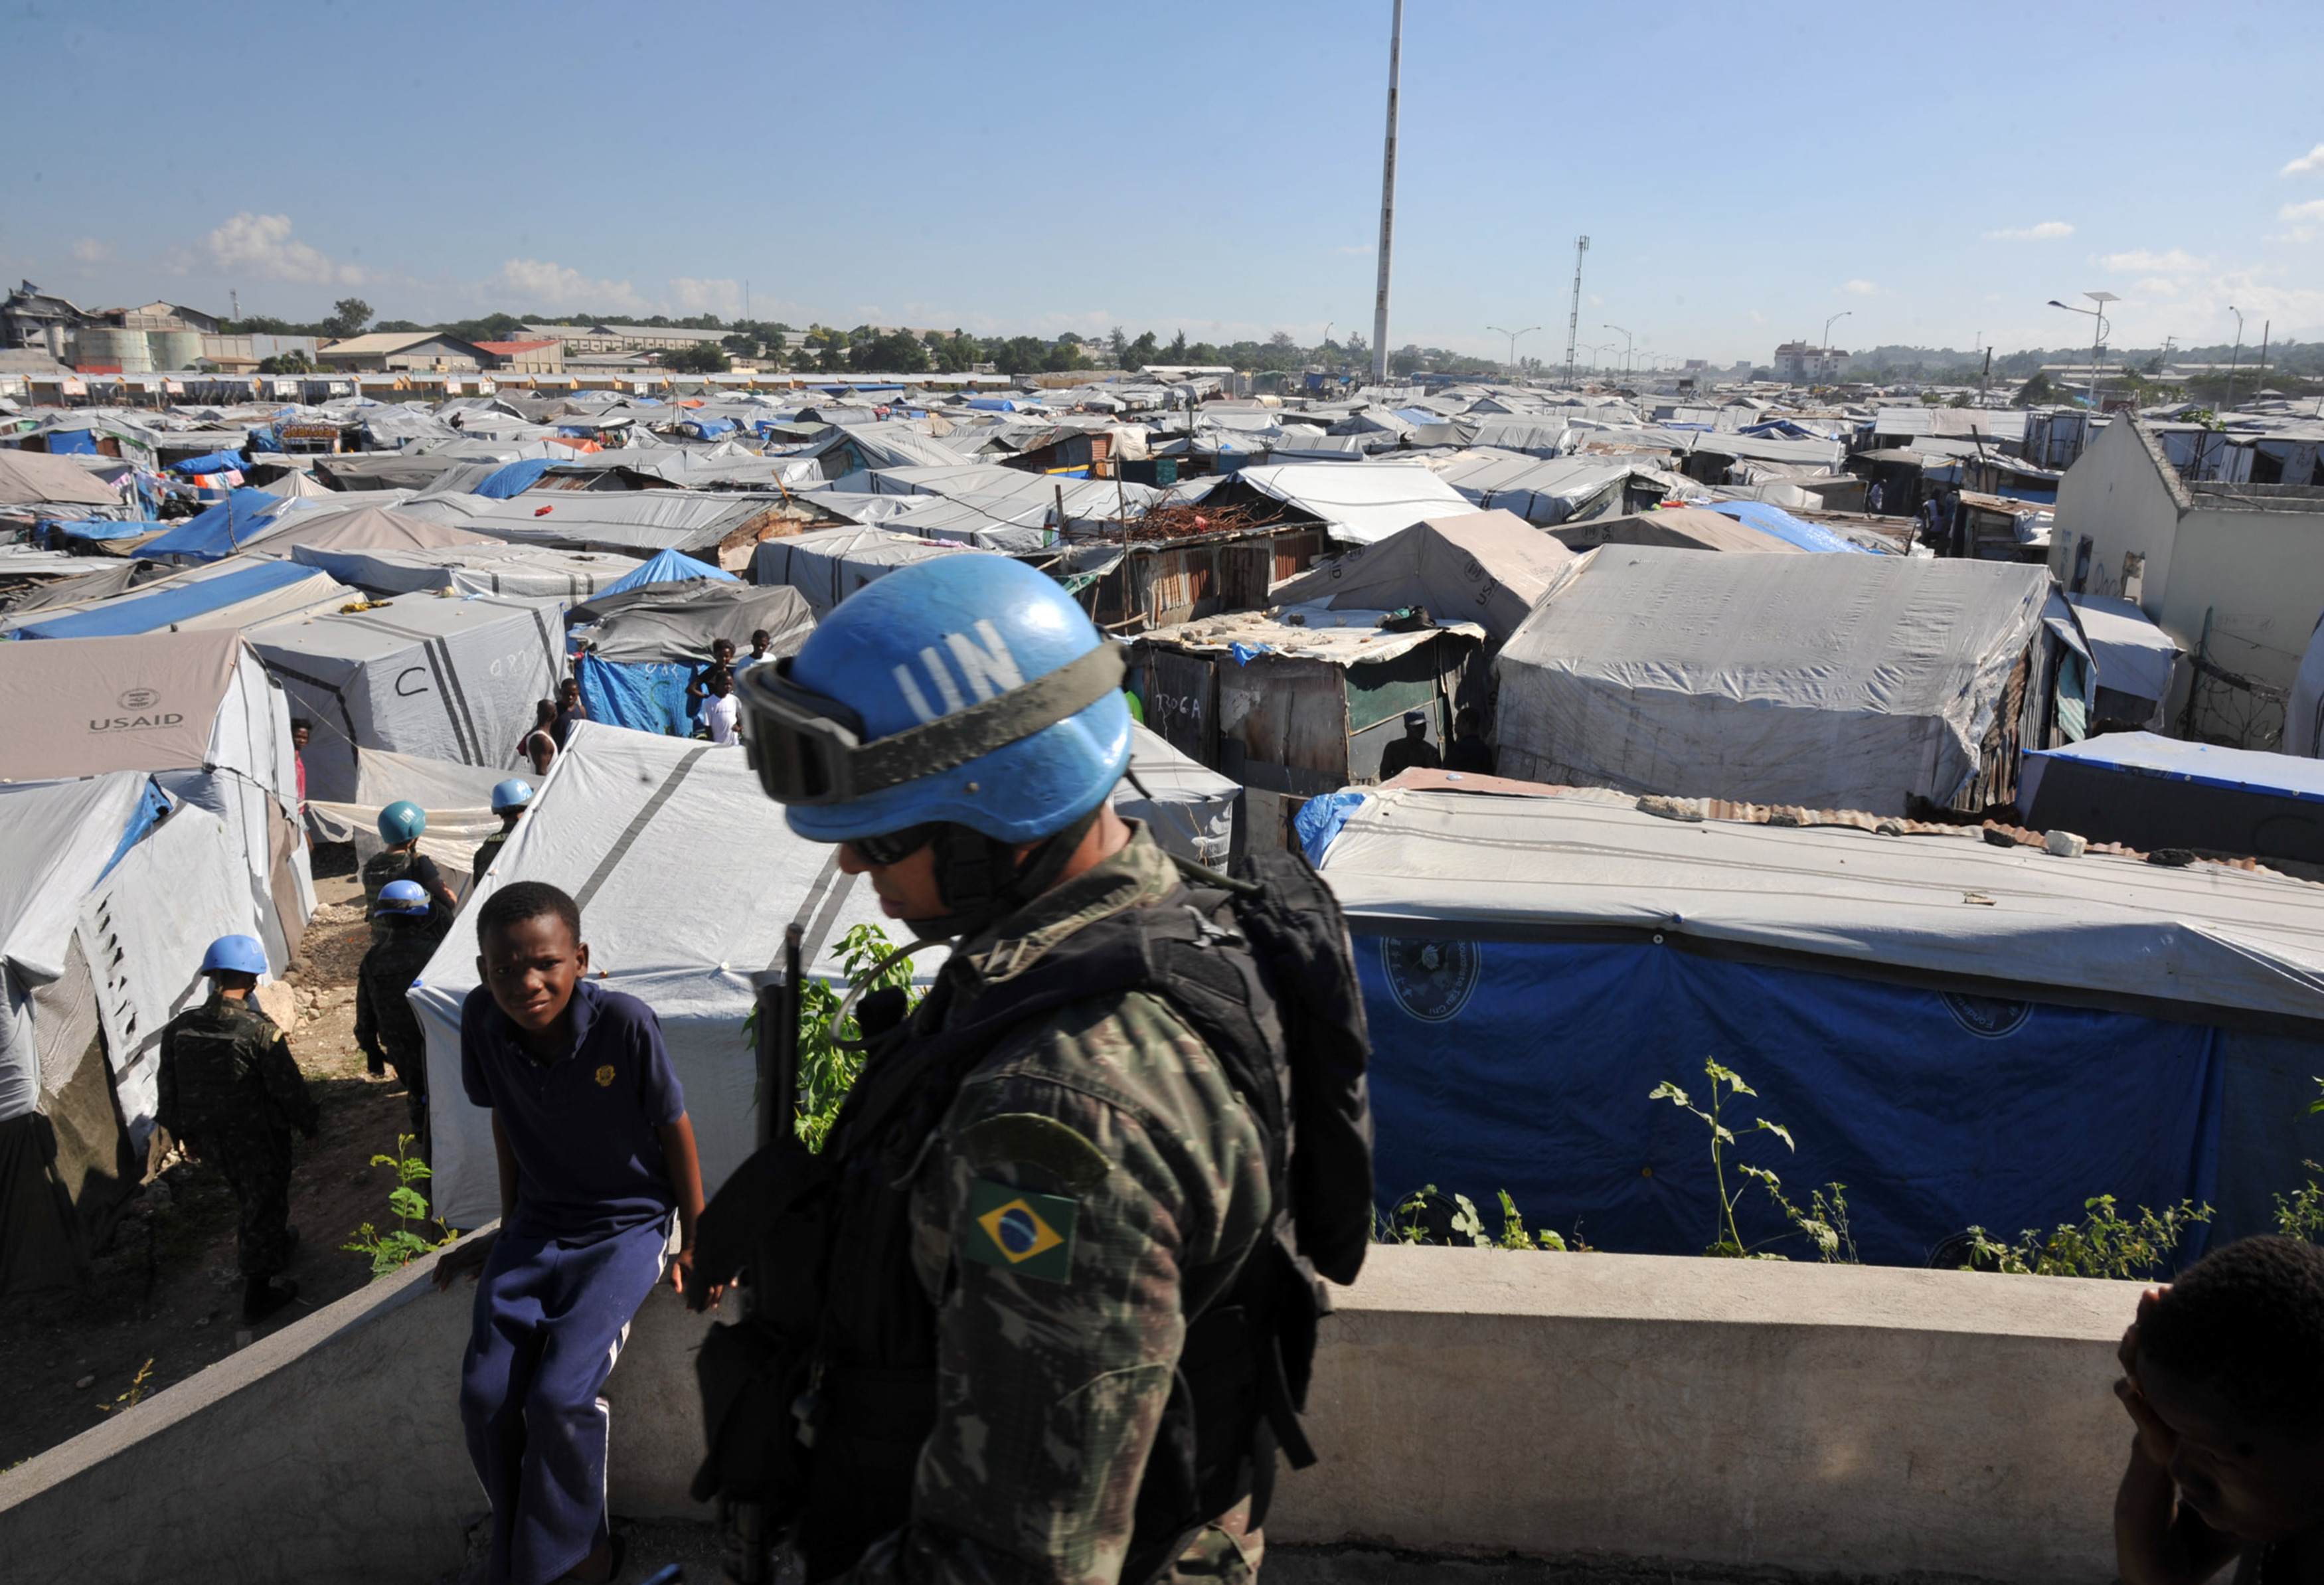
pixel 982 881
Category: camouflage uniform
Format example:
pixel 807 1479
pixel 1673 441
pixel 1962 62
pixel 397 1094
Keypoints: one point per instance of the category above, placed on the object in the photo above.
pixel 486 851
pixel 394 864
pixel 1058 1335
pixel 385 1025
pixel 230 1088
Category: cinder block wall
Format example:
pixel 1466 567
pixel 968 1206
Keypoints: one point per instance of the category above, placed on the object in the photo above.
pixel 1864 1420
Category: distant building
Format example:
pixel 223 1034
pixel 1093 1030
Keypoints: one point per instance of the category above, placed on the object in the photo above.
pixel 389 351
pixel 525 358
pixel 29 314
pixel 159 317
pixel 1798 362
pixel 604 338
pixel 242 355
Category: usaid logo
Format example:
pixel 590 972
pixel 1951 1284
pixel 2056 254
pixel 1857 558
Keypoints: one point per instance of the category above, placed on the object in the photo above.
pixel 1430 981
pixel 1987 1017
pixel 139 714
pixel 986 669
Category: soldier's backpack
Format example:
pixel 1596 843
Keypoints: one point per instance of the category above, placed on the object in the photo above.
pixel 818 1404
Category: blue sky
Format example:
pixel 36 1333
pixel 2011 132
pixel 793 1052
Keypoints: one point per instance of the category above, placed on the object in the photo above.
pixel 1743 172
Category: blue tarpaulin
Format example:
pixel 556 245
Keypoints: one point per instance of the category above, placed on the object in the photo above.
pixel 216 462
pixel 514 478
pixel 100 527
pixel 221 531
pixel 668 566
pixel 644 696
pixel 1525 1065
pixel 141 819
pixel 1782 525
pixel 708 428
pixel 993 404
pixel 146 614
pixel 71 443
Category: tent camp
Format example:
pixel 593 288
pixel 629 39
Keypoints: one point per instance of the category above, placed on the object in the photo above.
pixel 2135 659
pixel 830 563
pixel 230 526
pixel 1488 567
pixel 197 714
pixel 457 798
pixel 638 521
pixel 638 649
pixel 2149 792
pixel 1358 504
pixel 110 893
pixel 1684 528
pixel 1560 490
pixel 448 678
pixel 621 814
pixel 242 590
pixel 491 568
pixel 1960 1033
pixel 666 566
pixel 1840 682
pixel 1190 810
pixel 33 479
pixel 370 527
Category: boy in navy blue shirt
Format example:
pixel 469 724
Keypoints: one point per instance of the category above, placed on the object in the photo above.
pixel 595 1155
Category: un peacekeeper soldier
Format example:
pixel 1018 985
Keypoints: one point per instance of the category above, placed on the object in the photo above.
pixel 510 799
pixel 1028 1212
pixel 401 825
pixel 232 1092
pixel 386 1026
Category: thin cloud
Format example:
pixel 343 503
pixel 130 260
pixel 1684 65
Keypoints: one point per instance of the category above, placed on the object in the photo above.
pixel 1860 288
pixel 251 245
pixel 2047 231
pixel 724 298
pixel 2174 262
pixel 2311 161
pixel 1358 247
pixel 88 250
pixel 551 287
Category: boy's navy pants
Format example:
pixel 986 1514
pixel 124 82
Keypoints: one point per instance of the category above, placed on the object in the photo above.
pixel 551 1317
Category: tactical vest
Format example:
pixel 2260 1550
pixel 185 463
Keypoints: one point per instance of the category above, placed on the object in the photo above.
pixel 817 1407
pixel 215 1056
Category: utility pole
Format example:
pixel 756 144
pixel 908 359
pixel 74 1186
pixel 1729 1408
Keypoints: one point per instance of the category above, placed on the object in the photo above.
pixel 2237 358
pixel 2264 327
pixel 1387 201
pixel 1513 336
pixel 1626 347
pixel 1573 315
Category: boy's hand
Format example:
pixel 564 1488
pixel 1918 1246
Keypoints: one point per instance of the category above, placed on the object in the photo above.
pixel 689 1286
pixel 2156 1442
pixel 469 1255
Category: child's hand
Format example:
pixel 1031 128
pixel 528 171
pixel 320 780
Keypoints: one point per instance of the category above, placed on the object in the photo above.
pixel 2156 1443
pixel 688 1286
pixel 469 1255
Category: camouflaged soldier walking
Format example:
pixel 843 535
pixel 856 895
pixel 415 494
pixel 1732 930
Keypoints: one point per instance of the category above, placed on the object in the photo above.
pixel 231 1092
pixel 386 1029
pixel 1038 1314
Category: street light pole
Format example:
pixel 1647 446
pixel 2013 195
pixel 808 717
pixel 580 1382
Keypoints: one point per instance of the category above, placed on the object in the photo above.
pixel 2237 359
pixel 1513 336
pixel 2098 335
pixel 1824 363
pixel 1626 347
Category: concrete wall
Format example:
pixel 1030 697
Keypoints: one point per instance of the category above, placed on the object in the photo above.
pixel 2260 577
pixel 2116 493
pixel 1869 1420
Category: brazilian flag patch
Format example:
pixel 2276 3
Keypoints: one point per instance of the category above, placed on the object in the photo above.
pixel 1030 1234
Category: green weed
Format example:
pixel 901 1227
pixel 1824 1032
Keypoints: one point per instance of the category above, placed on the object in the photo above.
pixel 2103 1244
pixel 399 1245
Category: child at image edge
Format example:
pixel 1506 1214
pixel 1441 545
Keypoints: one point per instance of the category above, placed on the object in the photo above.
pixel 595 1155
pixel 2223 1374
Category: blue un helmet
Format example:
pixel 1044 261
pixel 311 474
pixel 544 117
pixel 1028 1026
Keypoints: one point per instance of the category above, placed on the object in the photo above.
pixel 234 955
pixel 402 896
pixel 402 821
pixel 513 794
pixel 968 693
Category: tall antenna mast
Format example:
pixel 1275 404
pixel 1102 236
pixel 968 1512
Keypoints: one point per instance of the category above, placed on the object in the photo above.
pixel 1388 202
pixel 1573 317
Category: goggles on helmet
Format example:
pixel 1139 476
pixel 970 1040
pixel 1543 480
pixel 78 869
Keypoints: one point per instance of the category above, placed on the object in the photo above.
pixel 893 847
pixel 808 747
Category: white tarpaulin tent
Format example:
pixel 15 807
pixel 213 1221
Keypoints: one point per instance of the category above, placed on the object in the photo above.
pixel 450 678
pixel 496 568
pixel 1193 810
pixel 1488 567
pixel 1830 682
pixel 2133 657
pixel 2304 715
pixel 623 816
pixel 457 800
pixel 638 520
pixel 197 712
pixel 1360 502
pixel 830 563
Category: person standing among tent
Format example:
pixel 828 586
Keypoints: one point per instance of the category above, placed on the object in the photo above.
pixel 401 825
pixel 301 729
pixel 386 1026
pixel 231 1092
pixel 722 710
pixel 1054 1213
pixel 1413 748
pixel 538 746
pixel 569 709
pixel 1872 499
pixel 1469 752
pixel 697 687
pixel 762 647
pixel 511 798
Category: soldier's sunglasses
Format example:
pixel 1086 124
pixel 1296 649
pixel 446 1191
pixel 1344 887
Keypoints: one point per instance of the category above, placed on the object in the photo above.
pixel 893 847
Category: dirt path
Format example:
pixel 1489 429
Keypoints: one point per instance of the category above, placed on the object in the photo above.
pixel 166 1296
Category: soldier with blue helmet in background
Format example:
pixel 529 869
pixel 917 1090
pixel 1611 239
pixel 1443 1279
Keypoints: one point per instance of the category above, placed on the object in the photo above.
pixel 386 1026
pixel 1045 1230
pixel 231 1094
pixel 511 798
